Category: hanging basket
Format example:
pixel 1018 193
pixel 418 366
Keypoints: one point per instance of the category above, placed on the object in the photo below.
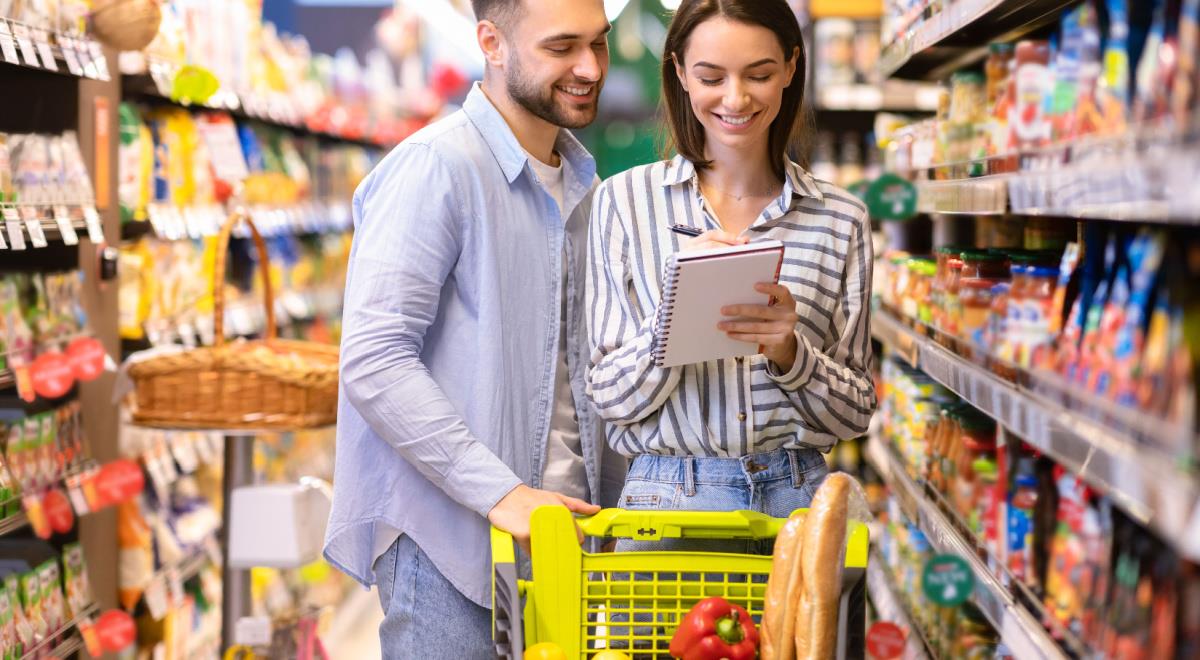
pixel 266 384
pixel 126 24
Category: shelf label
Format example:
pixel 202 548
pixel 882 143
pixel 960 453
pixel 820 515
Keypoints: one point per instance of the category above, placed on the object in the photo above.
pixel 94 228
pixel 948 580
pixel 12 223
pixel 28 52
pixel 7 45
pixel 66 227
pixel 85 58
pixel 37 235
pixel 156 597
pixel 46 52
pixel 101 62
pixel 69 55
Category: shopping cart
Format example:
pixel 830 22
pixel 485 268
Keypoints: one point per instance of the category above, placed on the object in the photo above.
pixel 633 601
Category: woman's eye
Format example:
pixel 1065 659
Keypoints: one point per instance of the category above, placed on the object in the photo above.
pixel 600 45
pixel 560 50
pixel 761 78
pixel 710 81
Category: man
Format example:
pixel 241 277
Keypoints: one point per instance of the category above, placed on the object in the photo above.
pixel 464 348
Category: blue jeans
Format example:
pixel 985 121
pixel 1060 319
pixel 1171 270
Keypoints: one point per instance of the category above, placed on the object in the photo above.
pixel 425 617
pixel 775 483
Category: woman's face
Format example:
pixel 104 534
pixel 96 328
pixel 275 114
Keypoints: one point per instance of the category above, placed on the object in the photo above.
pixel 734 74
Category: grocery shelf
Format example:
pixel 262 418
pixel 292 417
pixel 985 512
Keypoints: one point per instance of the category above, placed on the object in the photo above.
pixel 883 594
pixel 891 97
pixel 1118 452
pixel 10 524
pixel 65 641
pixel 68 223
pixel 169 222
pixel 156 86
pixel 1018 628
pixel 30 48
pixel 958 35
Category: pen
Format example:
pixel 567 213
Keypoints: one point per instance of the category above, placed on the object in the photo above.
pixel 686 230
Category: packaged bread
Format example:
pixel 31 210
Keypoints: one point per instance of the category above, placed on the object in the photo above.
pixel 822 555
pixel 778 629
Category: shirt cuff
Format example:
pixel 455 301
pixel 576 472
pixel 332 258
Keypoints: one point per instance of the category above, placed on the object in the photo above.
pixel 802 368
pixel 480 480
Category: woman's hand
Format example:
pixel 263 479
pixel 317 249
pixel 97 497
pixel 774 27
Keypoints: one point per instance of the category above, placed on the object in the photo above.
pixel 773 327
pixel 713 238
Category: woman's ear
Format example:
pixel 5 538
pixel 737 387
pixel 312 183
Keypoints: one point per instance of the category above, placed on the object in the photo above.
pixel 789 68
pixel 680 73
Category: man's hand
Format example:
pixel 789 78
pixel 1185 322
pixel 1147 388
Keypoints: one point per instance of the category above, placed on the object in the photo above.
pixel 772 326
pixel 512 513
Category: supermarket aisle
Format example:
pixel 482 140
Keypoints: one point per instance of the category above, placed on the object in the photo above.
pixel 355 631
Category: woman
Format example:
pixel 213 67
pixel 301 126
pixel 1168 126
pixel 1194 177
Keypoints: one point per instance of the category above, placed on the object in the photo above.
pixel 740 433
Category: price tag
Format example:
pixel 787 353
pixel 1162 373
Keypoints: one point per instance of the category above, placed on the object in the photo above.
pixel 66 227
pixel 94 228
pixel 37 235
pixel 85 58
pixel 7 45
pixel 12 222
pixel 28 52
pixel 183 448
pixel 3 243
pixel 75 493
pixel 46 52
pixel 101 62
pixel 69 55
pixel 156 597
pixel 948 580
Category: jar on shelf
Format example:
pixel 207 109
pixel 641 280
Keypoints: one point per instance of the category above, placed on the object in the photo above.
pixel 951 301
pixel 984 264
pixel 1039 305
pixel 975 297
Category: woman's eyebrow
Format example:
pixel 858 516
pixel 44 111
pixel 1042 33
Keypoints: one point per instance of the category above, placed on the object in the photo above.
pixel 707 65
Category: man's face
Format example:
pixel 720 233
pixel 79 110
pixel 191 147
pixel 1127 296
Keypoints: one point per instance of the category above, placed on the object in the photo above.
pixel 557 59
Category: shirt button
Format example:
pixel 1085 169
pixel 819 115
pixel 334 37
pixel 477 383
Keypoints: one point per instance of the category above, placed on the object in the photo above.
pixel 741 417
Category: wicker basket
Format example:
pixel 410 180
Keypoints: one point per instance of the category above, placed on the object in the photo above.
pixel 267 384
pixel 126 24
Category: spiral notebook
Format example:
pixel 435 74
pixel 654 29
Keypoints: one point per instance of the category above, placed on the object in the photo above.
pixel 696 287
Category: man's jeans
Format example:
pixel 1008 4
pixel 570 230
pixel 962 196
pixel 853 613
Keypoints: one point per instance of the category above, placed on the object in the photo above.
pixel 425 617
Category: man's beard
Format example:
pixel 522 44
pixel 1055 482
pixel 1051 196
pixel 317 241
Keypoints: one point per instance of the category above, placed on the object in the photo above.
pixel 541 102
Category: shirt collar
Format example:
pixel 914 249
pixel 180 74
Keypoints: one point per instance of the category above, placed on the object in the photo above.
pixel 509 153
pixel 798 182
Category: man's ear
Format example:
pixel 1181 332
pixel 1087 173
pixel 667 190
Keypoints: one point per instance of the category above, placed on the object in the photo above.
pixel 679 72
pixel 491 42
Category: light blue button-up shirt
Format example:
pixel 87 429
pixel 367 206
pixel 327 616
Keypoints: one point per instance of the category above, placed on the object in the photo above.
pixel 450 336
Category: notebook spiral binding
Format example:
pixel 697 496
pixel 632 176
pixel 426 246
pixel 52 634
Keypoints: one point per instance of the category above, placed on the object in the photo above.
pixel 662 324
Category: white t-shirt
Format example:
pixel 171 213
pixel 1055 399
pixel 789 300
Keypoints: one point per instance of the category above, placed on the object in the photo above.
pixel 563 470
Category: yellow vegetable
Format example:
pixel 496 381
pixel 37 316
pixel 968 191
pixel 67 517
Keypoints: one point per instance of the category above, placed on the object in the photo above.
pixel 545 651
pixel 610 655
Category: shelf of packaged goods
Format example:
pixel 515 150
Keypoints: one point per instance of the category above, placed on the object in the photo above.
pixel 958 34
pixel 10 524
pixel 897 97
pixel 883 594
pixel 1120 452
pixel 65 641
pixel 43 50
pixel 1142 174
pixel 169 222
pixel 155 85
pixel 1019 629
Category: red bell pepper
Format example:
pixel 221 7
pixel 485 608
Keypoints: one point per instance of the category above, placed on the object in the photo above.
pixel 715 629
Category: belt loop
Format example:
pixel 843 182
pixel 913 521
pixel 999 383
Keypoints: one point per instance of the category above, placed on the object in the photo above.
pixel 794 462
pixel 689 476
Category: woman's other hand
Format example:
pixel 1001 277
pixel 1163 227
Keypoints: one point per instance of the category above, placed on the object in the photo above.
pixel 772 327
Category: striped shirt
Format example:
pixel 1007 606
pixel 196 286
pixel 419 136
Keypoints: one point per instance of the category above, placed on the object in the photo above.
pixel 739 406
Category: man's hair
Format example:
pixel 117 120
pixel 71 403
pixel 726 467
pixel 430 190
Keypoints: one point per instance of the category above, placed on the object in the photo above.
pixel 500 12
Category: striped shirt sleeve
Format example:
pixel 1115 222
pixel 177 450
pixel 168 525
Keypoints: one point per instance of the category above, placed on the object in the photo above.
pixel 624 385
pixel 832 389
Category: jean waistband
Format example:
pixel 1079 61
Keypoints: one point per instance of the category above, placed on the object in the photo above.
pixel 766 466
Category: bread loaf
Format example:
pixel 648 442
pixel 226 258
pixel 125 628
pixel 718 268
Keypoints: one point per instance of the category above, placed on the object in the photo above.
pixel 823 543
pixel 778 629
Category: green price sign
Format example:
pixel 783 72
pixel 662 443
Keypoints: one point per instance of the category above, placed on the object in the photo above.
pixel 891 197
pixel 948 580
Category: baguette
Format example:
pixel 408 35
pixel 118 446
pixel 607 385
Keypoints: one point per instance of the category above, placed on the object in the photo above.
pixel 821 558
pixel 779 614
